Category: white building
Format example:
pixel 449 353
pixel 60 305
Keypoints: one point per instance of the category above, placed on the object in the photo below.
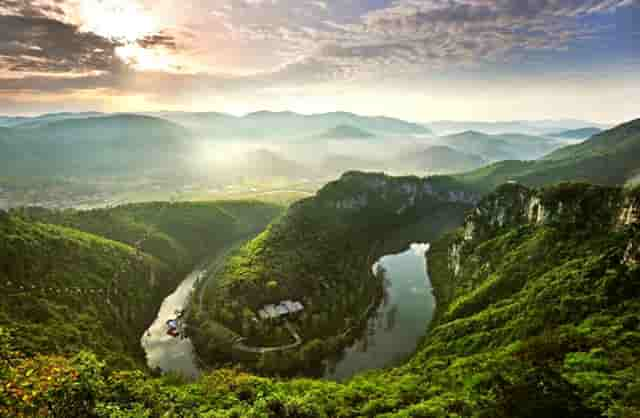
pixel 284 308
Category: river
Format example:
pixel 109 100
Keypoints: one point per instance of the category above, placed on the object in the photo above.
pixel 172 354
pixel 401 320
pixel 392 332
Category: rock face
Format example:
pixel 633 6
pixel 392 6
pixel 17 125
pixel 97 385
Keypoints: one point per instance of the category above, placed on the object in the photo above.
pixel 630 213
pixel 578 206
pixel 632 254
pixel 355 191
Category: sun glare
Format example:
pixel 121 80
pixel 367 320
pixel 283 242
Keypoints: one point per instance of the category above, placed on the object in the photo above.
pixel 146 59
pixel 124 20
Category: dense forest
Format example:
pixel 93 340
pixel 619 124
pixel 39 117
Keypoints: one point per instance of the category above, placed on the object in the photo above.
pixel 538 315
pixel 94 279
pixel 320 254
pixel 537 290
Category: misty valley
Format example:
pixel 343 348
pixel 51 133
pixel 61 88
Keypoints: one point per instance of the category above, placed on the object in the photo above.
pixel 319 209
pixel 507 262
pixel 47 160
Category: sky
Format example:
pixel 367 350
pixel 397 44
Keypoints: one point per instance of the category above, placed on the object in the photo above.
pixel 421 60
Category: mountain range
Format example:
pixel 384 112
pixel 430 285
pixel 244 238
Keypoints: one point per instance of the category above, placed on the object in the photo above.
pixel 537 290
pixel 510 146
pixel 530 127
pixel 608 158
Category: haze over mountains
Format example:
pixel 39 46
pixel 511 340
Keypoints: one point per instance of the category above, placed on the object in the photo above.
pixel 260 144
pixel 582 133
pixel 532 127
pixel 609 158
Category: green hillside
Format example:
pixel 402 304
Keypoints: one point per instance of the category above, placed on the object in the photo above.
pixel 66 290
pixel 180 233
pixel 538 314
pixel 74 279
pixel 319 253
pixel 609 158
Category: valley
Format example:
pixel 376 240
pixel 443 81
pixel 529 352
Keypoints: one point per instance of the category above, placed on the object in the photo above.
pixel 527 280
pixel 319 209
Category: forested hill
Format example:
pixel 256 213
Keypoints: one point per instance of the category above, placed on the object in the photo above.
pixel 608 158
pixel 538 315
pixel 107 145
pixel 320 253
pixel 74 281
pixel 179 233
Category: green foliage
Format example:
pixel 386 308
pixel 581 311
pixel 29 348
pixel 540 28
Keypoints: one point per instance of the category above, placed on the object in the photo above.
pixel 609 158
pixel 320 253
pixel 540 320
pixel 68 290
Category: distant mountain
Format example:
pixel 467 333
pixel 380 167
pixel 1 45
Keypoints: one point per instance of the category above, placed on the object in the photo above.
pixel 265 124
pixel 441 159
pixel 533 127
pixel 510 146
pixel 582 133
pixel 608 158
pixel 10 121
pixel 345 131
pixel 36 121
pixel 108 145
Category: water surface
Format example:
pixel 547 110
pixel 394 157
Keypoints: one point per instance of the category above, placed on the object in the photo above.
pixel 163 351
pixel 401 320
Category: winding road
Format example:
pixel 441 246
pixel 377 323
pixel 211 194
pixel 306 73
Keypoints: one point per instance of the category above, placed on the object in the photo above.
pixel 261 350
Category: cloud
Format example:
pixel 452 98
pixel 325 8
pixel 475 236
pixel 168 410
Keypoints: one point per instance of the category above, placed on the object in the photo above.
pixel 35 44
pixel 33 8
pixel 247 45
pixel 163 40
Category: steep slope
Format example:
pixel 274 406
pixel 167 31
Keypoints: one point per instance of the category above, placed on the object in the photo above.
pixel 609 158
pixel 179 234
pixel 539 312
pixel 67 290
pixel 109 145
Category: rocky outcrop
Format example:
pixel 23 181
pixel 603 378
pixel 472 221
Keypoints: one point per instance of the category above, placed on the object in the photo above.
pixel 577 206
pixel 632 254
pixel 455 258
pixel 355 191
pixel 630 213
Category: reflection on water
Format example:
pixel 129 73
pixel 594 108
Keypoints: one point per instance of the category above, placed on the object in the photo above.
pixel 169 353
pixel 394 330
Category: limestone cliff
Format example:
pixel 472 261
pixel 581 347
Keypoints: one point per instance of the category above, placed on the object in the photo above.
pixel 570 205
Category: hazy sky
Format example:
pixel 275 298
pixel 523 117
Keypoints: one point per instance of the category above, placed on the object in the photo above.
pixel 416 59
